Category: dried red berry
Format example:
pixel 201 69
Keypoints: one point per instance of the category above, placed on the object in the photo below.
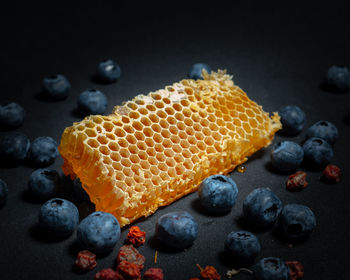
pixel 130 254
pixel 297 181
pixel 106 274
pixel 296 270
pixel 194 279
pixel 136 236
pixel 332 173
pixel 153 274
pixel 85 261
pixel 209 273
pixel 128 271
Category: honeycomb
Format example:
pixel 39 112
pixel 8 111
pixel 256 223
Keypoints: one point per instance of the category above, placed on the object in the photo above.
pixel 158 147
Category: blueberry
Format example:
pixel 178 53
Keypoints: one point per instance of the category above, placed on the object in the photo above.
pixel 43 151
pixel 58 217
pixel 11 115
pixel 99 232
pixel 108 71
pixel 196 71
pixel 261 208
pixel 92 102
pixel 177 229
pixel 242 245
pixel 317 152
pixel 43 183
pixel 14 148
pixel 3 192
pixel 218 193
pixel 287 156
pixel 271 269
pixel 325 130
pixel 292 119
pixel 296 221
pixel 338 78
pixel 56 87
pixel 79 193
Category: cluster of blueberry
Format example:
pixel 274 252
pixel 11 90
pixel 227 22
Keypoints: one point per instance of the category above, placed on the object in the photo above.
pixel 262 209
pixel 317 149
pixel 217 194
pixel 98 232
pixel 16 148
pixel 90 101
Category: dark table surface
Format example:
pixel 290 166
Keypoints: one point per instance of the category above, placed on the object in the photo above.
pixel 277 52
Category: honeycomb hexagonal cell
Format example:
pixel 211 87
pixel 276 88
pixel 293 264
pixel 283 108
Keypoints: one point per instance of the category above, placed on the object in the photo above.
pixel 158 147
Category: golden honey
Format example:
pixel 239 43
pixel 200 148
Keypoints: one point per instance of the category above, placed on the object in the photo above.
pixel 241 168
pixel 158 147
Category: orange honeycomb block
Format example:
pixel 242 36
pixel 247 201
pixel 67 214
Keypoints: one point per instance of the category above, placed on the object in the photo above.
pixel 158 147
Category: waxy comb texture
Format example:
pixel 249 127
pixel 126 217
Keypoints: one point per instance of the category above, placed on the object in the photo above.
pixel 158 147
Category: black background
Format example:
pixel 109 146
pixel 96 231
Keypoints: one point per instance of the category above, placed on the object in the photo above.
pixel 278 52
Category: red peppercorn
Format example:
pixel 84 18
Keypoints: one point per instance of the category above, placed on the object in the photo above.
pixel 296 270
pixel 332 173
pixel 153 274
pixel 136 236
pixel 210 273
pixel 85 261
pixel 297 181
pixel 130 254
pixel 106 274
pixel 128 271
